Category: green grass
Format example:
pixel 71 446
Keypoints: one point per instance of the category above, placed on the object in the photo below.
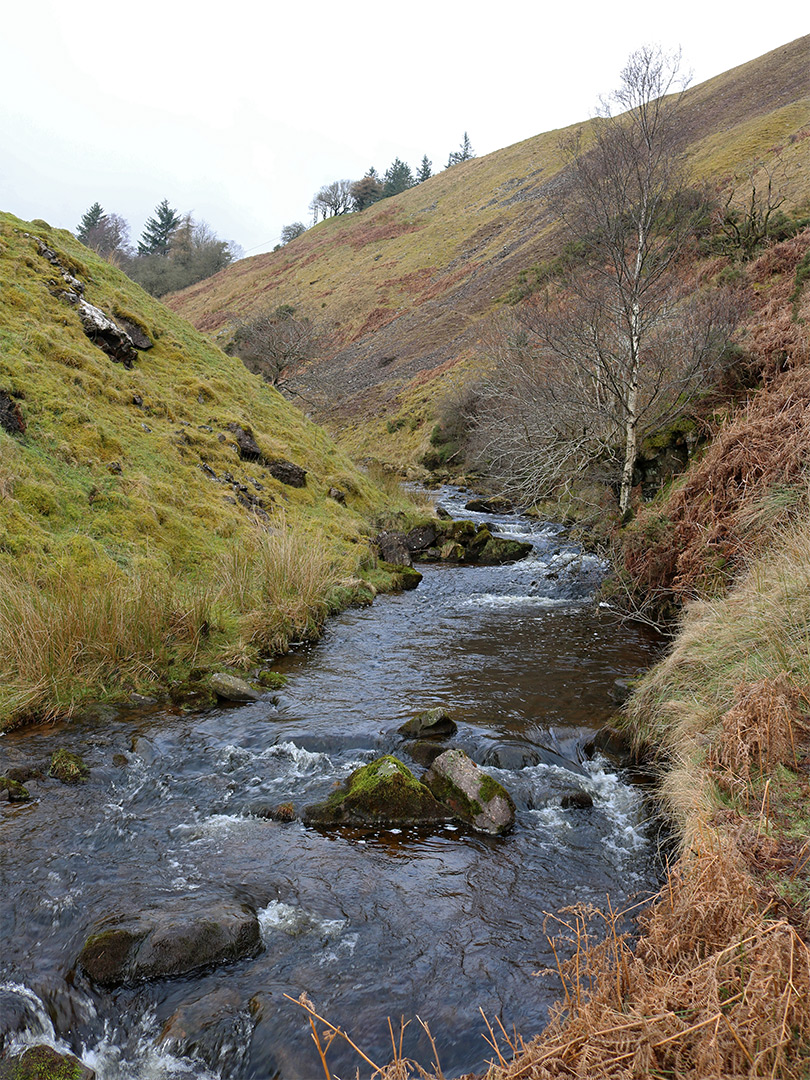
pixel 122 560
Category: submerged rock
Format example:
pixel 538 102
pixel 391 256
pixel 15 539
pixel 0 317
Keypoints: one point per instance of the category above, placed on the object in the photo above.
pixel 166 942
pixel 44 1063
pixel 577 800
pixel 214 1028
pixel 431 724
pixel 384 792
pixel 613 743
pixel 232 688
pixel 68 767
pixel 472 794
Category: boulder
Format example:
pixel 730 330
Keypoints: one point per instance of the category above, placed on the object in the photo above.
pixel 613 744
pixel 104 333
pixel 498 550
pixel 137 334
pixel 623 689
pixel 13 790
pixel 472 794
pixel 68 767
pixel 431 724
pixel 495 504
pixel 421 538
pixel 169 941
pixel 384 792
pixel 212 1028
pixel 393 549
pixel 286 472
pixel 577 799
pixel 232 688
pixel 44 1063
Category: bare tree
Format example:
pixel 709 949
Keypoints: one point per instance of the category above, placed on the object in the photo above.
pixel 331 200
pixel 274 343
pixel 556 400
pixel 751 211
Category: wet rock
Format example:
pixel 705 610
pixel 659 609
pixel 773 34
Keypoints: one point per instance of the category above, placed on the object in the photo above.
pixel 384 792
pixel 613 744
pixel 452 551
pixel 472 795
pixel 431 724
pixel 11 417
pixel 68 767
pixel 512 757
pixel 424 751
pixel 421 538
pixel 168 942
pixel 214 1028
pixel 104 333
pixel 576 800
pixel 499 550
pixel 247 446
pixel 393 549
pixel 623 689
pixel 232 688
pixel 286 472
pixel 284 812
pixel 495 504
pixel 13 790
pixel 44 1063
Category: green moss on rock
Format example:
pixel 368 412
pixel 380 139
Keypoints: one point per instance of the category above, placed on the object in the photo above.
pixel 385 792
pixel 68 767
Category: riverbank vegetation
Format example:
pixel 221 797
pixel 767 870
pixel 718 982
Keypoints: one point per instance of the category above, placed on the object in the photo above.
pixel 162 510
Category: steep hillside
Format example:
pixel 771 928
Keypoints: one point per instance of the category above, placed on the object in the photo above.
pixel 161 509
pixel 402 287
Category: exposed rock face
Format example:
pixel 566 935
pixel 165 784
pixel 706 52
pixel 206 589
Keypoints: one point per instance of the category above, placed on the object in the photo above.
pixel 167 942
pixel 286 472
pixel 109 337
pixel 247 446
pixel 137 334
pixel 393 549
pixel 421 538
pixel 470 793
pixel 44 1063
pixel 431 724
pixel 11 417
pixel 232 688
pixel 383 793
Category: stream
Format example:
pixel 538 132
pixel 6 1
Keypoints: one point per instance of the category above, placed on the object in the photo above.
pixel 436 922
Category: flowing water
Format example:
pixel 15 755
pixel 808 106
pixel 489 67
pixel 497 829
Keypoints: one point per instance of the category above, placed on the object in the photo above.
pixel 437 922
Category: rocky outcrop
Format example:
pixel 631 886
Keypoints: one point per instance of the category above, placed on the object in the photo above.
pixel 232 688
pixel 286 472
pixel 44 1063
pixel 383 793
pixel 167 942
pixel 472 794
pixel 11 417
pixel 450 542
pixel 106 334
pixel 430 724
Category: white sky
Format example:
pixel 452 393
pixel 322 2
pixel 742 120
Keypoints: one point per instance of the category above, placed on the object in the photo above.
pixel 240 111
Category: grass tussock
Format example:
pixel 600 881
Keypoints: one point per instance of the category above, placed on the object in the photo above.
pixel 69 638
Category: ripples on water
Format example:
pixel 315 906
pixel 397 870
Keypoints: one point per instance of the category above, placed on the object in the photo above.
pixel 369 924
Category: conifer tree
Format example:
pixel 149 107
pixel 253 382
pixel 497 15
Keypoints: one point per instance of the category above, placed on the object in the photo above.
pixel 398 177
pixel 425 170
pixel 157 232
pixel 91 219
pixel 464 152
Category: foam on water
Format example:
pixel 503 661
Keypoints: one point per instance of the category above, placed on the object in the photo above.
pixel 294 922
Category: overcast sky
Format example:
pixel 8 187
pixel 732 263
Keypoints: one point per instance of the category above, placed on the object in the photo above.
pixel 239 112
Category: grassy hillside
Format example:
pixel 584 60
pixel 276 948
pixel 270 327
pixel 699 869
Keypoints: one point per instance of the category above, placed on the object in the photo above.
pixel 138 546
pixel 403 287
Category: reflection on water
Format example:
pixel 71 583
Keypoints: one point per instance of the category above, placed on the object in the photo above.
pixel 432 922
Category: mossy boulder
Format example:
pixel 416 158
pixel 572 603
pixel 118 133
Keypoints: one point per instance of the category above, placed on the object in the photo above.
pixel 13 790
pixel 403 577
pixel 430 724
pixel 472 794
pixel 385 792
pixel 168 942
pixel 44 1063
pixel 68 767
pixel 499 549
